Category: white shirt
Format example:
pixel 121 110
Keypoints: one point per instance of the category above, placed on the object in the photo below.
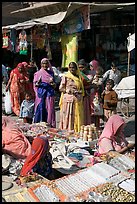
pixel 116 77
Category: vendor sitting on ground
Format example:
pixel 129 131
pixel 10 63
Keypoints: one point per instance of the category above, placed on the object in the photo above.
pixel 112 137
pixel 39 160
pixel 14 141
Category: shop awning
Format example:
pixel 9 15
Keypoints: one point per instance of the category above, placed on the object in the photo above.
pixel 66 8
pixel 49 6
pixel 52 19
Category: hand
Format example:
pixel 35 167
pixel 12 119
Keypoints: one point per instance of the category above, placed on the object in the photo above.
pixel 103 93
pixel 7 88
pixel 21 81
pixel 53 84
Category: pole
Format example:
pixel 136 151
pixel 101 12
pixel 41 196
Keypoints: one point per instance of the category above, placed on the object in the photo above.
pixel 128 66
pixel 128 75
pixel 31 46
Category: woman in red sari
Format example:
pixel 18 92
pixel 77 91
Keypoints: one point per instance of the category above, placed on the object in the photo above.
pixel 39 160
pixel 17 84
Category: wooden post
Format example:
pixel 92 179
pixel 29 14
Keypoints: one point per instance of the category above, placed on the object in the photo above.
pixel 128 68
pixel 31 56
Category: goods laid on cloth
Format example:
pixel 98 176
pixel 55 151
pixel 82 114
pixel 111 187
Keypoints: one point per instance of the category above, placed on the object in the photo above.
pixel 6 160
pixel 61 162
pixel 116 193
pixel 6 183
pixel 122 163
pixel 19 195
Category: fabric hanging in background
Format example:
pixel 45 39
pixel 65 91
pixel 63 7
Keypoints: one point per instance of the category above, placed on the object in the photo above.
pixel 40 43
pixel 5 42
pixel 23 43
pixel 69 45
pixel 131 42
pixel 48 49
pixel 47 43
pixel 13 39
pixel 74 24
pixel 85 12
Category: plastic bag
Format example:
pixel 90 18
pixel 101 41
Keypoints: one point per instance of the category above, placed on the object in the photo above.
pixel 98 108
pixel 8 108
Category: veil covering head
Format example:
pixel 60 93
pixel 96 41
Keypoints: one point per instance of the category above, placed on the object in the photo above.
pixel 39 148
pixel 94 64
pixel 44 60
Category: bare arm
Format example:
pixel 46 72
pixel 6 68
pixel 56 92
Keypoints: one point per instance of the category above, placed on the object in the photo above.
pixel 129 146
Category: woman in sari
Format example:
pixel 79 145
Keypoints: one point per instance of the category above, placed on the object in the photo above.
pixel 71 100
pixel 39 160
pixel 112 137
pixel 18 84
pixel 44 86
pixel 14 141
pixel 87 86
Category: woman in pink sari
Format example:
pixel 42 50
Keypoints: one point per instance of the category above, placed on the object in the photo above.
pixel 112 137
pixel 14 141
pixel 44 86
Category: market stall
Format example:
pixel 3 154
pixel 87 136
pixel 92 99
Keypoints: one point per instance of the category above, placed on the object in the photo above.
pixel 102 182
pixel 108 177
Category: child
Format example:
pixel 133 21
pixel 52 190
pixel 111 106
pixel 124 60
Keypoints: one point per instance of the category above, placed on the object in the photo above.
pixel 95 97
pixel 110 99
pixel 27 108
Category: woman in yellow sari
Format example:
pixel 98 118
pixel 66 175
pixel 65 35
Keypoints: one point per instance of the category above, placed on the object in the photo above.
pixel 71 100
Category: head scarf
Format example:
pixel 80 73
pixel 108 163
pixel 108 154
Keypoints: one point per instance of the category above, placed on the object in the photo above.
pixel 38 149
pixel 16 71
pixel 78 80
pixel 44 60
pixel 25 64
pixel 94 64
pixel 111 127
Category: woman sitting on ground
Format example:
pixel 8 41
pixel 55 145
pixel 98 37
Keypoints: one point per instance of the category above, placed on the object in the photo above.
pixel 14 141
pixel 39 160
pixel 112 137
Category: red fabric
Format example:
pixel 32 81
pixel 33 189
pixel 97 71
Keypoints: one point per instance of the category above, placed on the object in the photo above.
pixel 14 141
pixel 25 63
pixel 16 71
pixel 39 147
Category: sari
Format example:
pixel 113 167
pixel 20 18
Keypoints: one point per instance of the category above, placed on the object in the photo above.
pixel 109 140
pixel 18 85
pixel 14 141
pixel 71 105
pixel 86 99
pixel 44 97
pixel 39 159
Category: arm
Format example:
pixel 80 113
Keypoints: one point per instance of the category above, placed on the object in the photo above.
pixel 62 87
pixel 105 75
pixel 129 146
pixel 105 145
pixel 9 82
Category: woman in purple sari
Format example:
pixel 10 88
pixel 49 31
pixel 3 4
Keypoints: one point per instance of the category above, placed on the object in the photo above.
pixel 44 86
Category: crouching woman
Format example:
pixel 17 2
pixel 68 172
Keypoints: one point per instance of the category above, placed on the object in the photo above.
pixel 39 160
pixel 112 137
